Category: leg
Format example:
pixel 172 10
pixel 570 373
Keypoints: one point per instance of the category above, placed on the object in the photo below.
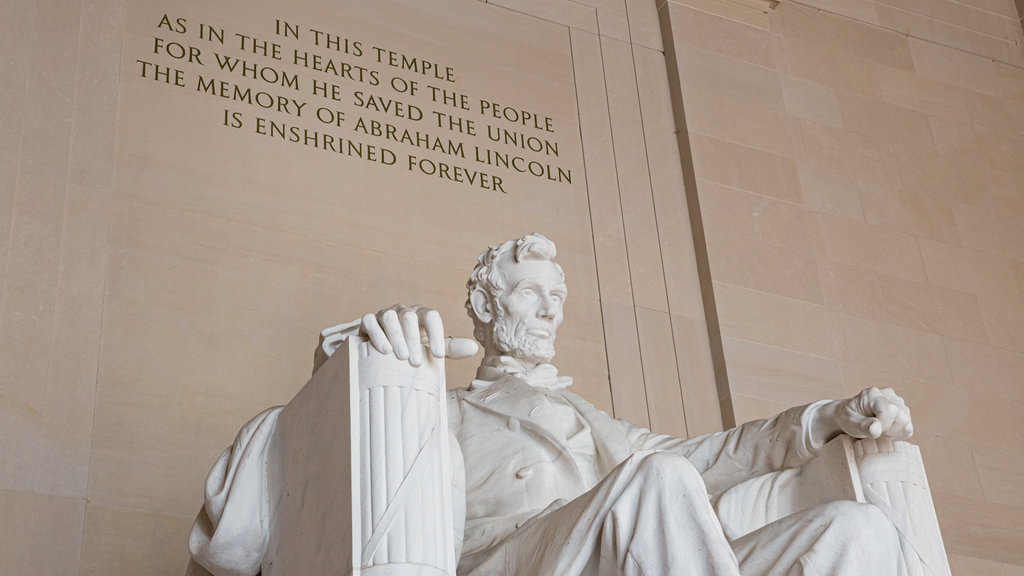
pixel 649 517
pixel 834 539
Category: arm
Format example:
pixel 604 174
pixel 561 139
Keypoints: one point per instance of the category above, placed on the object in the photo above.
pixel 783 441
pixel 732 456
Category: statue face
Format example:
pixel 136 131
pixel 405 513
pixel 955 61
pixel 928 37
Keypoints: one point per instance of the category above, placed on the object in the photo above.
pixel 529 311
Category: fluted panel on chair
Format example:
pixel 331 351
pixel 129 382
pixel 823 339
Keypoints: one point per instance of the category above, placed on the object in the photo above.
pixel 893 477
pixel 359 474
pixel 405 501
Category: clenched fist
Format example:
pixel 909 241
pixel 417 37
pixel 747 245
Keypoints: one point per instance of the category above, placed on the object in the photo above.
pixel 873 413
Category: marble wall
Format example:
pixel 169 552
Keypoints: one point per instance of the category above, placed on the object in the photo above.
pixel 165 277
pixel 858 169
pixel 854 200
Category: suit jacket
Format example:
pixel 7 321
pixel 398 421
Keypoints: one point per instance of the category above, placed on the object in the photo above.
pixel 519 462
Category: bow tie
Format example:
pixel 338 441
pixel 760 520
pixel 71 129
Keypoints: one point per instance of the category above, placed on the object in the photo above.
pixel 494 368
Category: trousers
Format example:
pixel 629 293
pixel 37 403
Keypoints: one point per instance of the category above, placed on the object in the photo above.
pixel 651 516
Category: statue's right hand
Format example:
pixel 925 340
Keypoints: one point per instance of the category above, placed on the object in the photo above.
pixel 401 329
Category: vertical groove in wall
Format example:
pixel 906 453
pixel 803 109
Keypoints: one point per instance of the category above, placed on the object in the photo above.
pixel 696 224
pixel 654 204
pixel 590 212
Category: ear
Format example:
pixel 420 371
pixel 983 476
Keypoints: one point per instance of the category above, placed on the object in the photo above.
pixel 481 305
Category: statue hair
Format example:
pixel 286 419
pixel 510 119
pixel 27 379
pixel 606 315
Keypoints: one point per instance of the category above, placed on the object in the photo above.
pixel 487 278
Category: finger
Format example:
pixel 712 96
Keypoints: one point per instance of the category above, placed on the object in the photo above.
pixel 378 339
pixel 860 425
pixel 874 429
pixel 411 329
pixel 393 328
pixel 460 348
pixel 431 322
pixel 902 428
pixel 886 411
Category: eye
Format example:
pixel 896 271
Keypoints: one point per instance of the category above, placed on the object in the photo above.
pixel 527 292
pixel 556 298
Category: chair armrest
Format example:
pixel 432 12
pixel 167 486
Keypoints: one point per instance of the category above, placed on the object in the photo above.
pixel 887 474
pixel 360 472
pixel 831 475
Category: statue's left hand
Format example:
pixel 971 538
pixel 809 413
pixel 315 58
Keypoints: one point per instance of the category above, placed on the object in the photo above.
pixel 875 413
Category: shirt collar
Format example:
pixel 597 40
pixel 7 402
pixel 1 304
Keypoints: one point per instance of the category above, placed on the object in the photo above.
pixel 495 367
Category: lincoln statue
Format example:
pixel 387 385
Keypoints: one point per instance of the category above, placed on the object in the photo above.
pixel 545 484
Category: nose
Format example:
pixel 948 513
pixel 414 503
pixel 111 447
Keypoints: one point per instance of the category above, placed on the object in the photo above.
pixel 548 308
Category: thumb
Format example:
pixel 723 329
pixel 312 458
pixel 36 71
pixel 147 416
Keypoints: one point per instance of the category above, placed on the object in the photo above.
pixel 860 426
pixel 457 348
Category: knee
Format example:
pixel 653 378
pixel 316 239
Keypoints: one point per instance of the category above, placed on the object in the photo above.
pixel 669 470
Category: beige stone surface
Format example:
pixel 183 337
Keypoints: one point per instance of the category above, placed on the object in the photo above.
pixel 16 32
pixel 748 408
pixel 661 376
pixel 907 352
pixel 999 470
pixel 565 13
pixel 951 178
pixel 986 368
pixel 947 411
pixel 811 101
pixel 870 159
pixel 951 465
pixel 981 567
pixel 751 13
pixel 980 529
pixel 633 173
pixel 41 533
pixel 625 372
pixel 918 213
pixel 985 27
pixel 830 65
pixel 908 170
pixel 707 31
pixel 612 18
pixel 884 121
pixel 49 89
pixel 875 44
pixel 133 541
pixel 911 91
pixel 675 234
pixel 830 191
pixel 644 27
pixel 787 323
pixel 700 68
pixel 750 124
pixel 697 379
pixel 875 248
pixel 778 375
pixel 746 168
pixel 921 306
pixel 625 365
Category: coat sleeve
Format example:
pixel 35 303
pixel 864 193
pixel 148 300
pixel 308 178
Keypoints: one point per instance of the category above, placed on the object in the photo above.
pixel 229 537
pixel 330 341
pixel 727 458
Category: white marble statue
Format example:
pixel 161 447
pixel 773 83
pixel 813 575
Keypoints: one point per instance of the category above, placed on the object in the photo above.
pixel 552 486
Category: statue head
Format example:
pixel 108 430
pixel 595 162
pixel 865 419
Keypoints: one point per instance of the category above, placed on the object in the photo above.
pixel 516 294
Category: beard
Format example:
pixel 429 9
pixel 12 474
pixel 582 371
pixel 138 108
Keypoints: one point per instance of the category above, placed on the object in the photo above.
pixel 512 338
